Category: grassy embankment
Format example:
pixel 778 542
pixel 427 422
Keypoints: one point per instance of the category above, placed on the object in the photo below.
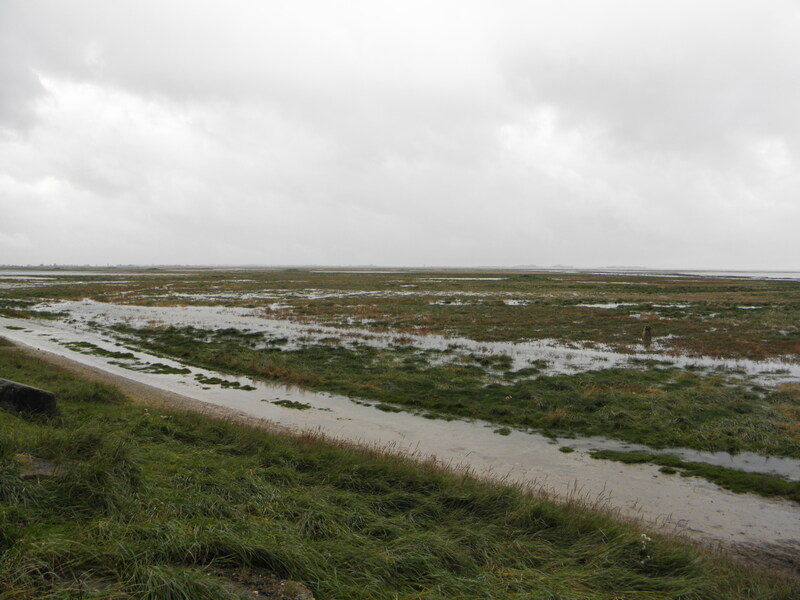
pixel 163 504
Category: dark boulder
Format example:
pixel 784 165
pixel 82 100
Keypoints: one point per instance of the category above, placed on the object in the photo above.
pixel 23 398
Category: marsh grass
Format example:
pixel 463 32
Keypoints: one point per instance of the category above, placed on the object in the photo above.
pixel 160 504
pixel 95 350
pixel 292 404
pixel 156 368
pixel 657 406
pixel 224 383
pixel 689 315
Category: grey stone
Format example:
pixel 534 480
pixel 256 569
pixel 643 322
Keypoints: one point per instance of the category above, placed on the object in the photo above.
pixel 32 467
pixel 17 397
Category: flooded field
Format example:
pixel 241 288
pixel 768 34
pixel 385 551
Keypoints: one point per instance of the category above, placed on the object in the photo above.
pixel 392 358
pixel 551 355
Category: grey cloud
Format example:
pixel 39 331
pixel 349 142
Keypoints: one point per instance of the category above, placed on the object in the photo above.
pixel 19 82
pixel 580 132
pixel 698 81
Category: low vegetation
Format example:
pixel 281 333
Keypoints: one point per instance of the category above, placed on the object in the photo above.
pixel 660 407
pixel 738 318
pixel 131 501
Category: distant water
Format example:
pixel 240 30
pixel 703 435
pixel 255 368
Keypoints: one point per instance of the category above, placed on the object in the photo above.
pixel 33 273
pixel 746 274
pixel 787 275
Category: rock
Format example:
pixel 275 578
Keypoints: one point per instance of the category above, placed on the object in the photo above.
pixel 258 584
pixel 35 468
pixel 17 397
pixel 294 590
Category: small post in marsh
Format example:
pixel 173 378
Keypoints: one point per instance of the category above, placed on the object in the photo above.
pixel 647 335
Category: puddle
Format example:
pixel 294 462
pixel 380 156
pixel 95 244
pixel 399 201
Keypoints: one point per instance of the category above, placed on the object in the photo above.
pixel 361 271
pixel 608 305
pixel 455 303
pixel 671 305
pixel 435 279
pixel 744 461
pixel 787 275
pixel 306 294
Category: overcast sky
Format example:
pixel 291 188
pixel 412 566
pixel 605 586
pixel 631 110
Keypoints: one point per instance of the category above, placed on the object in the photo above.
pixel 586 133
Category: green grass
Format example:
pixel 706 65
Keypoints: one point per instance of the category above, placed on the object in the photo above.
pixel 292 404
pixel 657 406
pixel 730 479
pixel 156 368
pixel 167 504
pixel 22 309
pixel 224 383
pixel 94 350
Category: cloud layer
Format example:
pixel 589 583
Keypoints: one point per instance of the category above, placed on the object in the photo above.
pixel 662 134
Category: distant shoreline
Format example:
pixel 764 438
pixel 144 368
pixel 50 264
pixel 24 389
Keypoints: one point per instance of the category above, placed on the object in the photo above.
pixel 83 270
